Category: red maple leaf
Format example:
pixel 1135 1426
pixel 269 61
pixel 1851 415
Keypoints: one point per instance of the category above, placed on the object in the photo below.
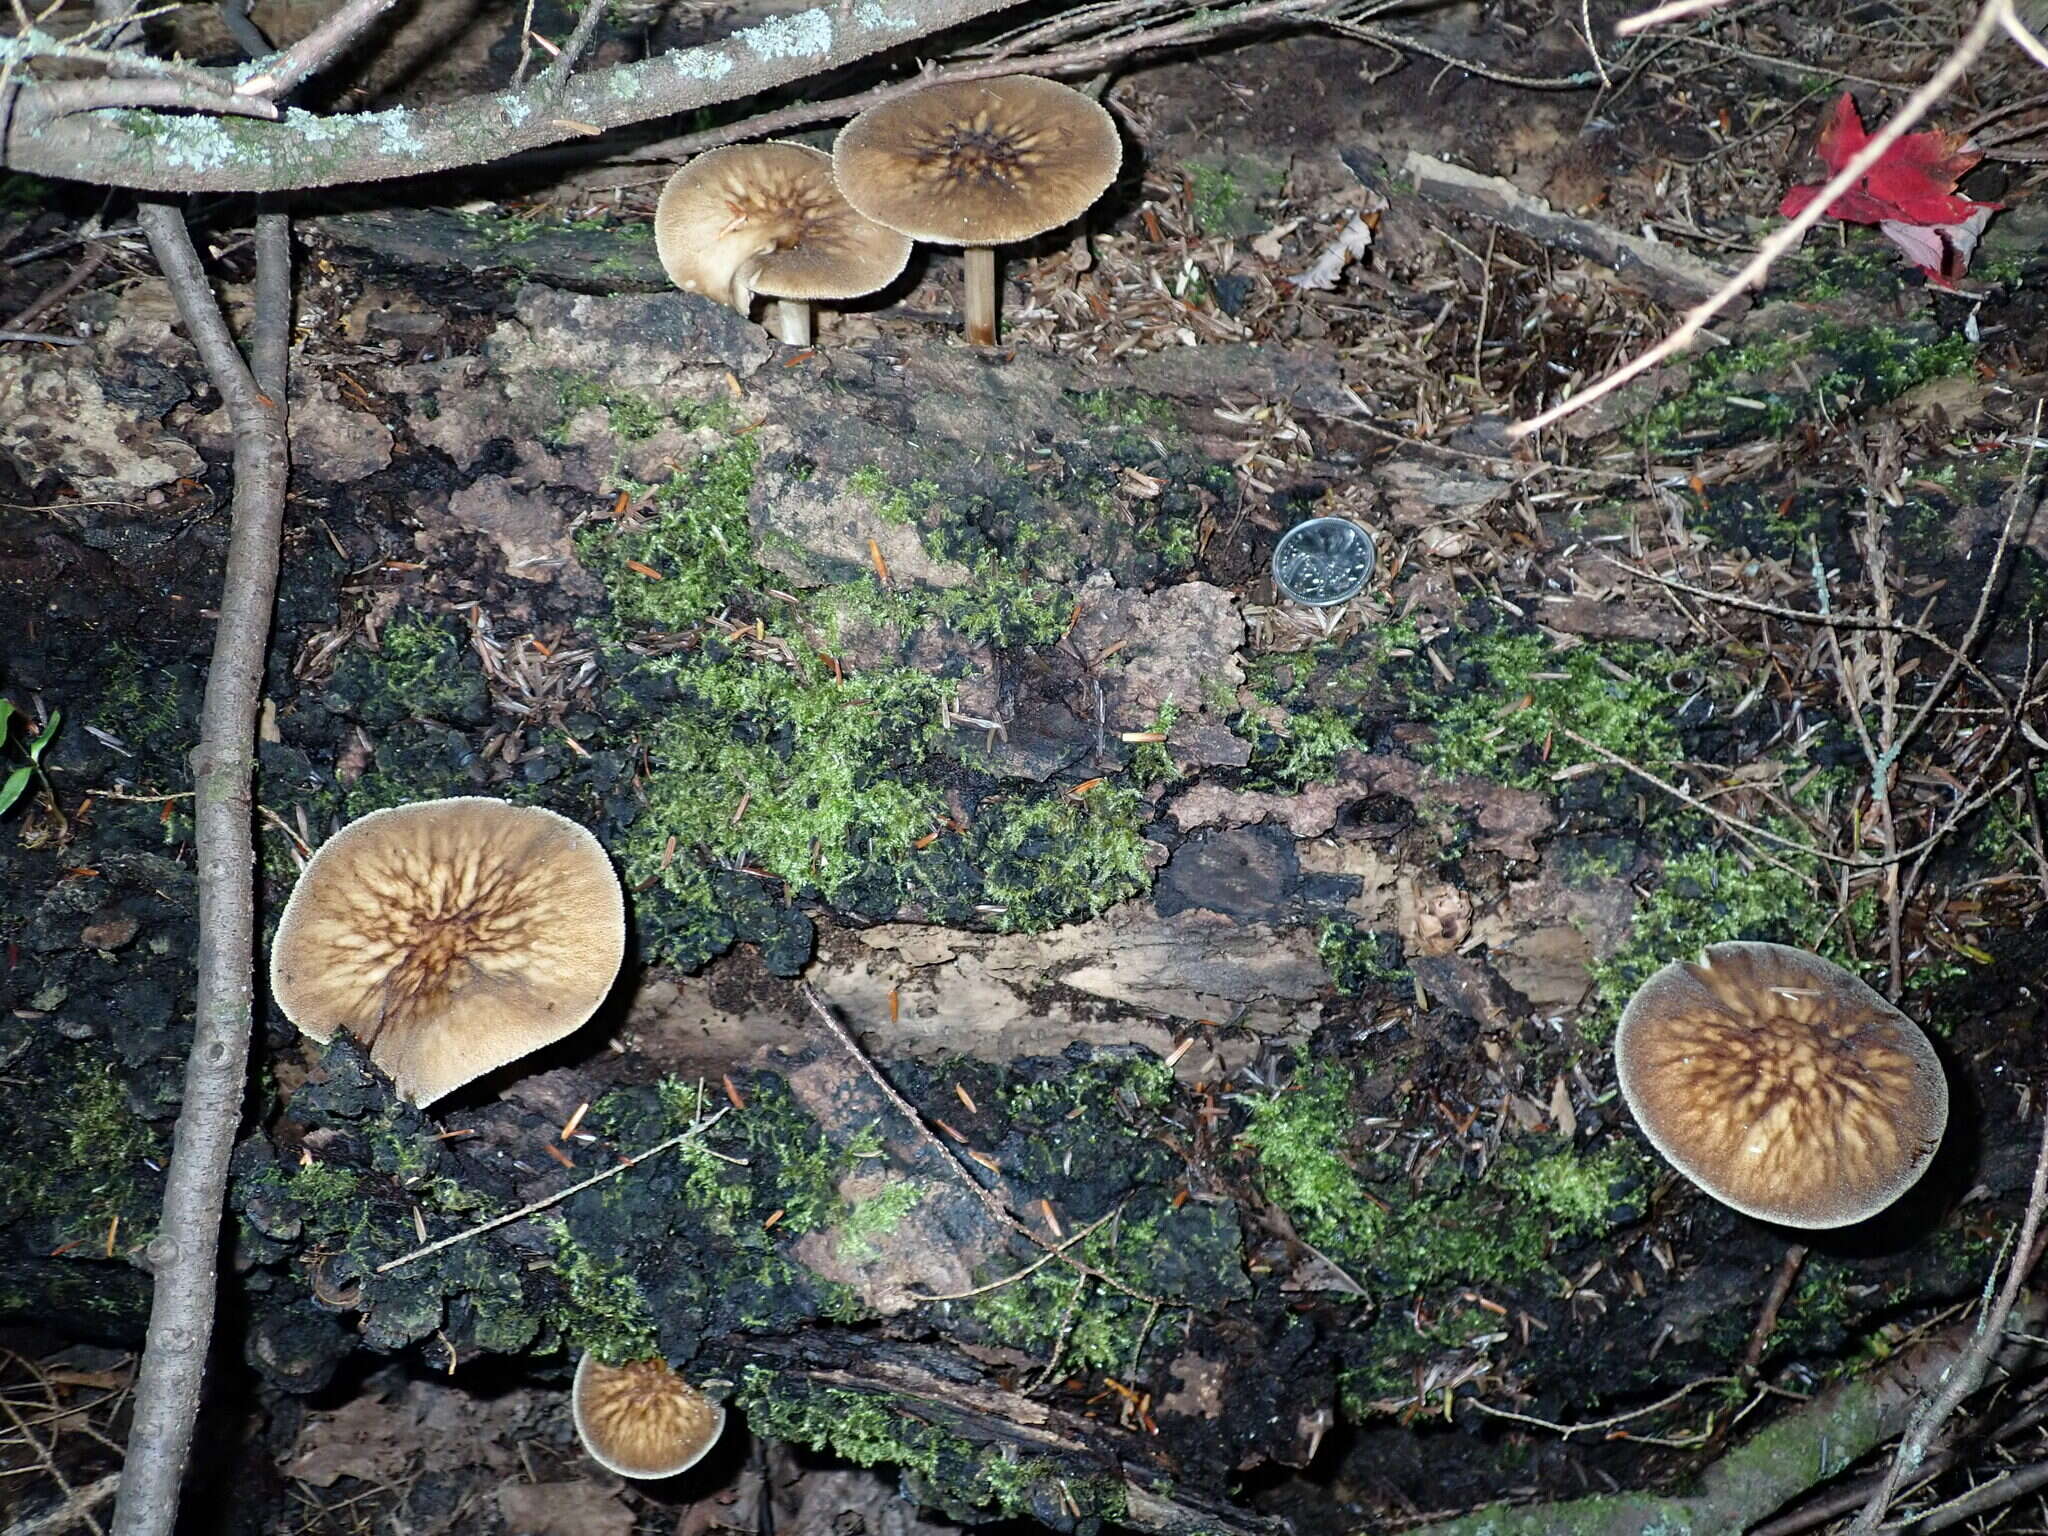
pixel 1910 194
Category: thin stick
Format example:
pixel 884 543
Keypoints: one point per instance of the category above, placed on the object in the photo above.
pixel 1566 1431
pixel 1967 1374
pixel 1677 10
pixel 184 1255
pixel 1067 61
pixel 1028 1270
pixel 314 50
pixel 1993 17
pixel 1774 1303
pixel 990 1200
pixel 555 1199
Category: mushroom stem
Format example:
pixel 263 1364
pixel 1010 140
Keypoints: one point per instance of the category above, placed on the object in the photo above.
pixel 981 295
pixel 793 321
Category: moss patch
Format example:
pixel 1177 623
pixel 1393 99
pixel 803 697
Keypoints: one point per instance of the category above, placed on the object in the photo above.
pixel 1062 857
pixel 1446 1227
pixel 692 555
pixel 1509 726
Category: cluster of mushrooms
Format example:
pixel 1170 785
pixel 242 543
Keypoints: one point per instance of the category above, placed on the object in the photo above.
pixel 452 937
pixel 975 164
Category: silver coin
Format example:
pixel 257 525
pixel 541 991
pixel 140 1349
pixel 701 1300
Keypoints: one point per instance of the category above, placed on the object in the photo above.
pixel 1324 561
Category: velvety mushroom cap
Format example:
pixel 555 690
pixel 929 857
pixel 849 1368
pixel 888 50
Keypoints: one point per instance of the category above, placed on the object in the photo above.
pixel 1781 1084
pixel 768 218
pixel 642 1419
pixel 450 937
pixel 981 162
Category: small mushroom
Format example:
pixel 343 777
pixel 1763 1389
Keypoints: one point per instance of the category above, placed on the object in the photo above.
pixel 450 937
pixel 642 1419
pixel 1781 1084
pixel 768 219
pixel 979 164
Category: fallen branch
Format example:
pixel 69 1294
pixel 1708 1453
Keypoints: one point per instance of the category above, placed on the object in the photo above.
pixel 1967 1374
pixel 1807 1445
pixel 167 153
pixel 184 1256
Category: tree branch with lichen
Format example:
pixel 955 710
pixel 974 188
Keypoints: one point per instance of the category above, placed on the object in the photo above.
pixel 153 151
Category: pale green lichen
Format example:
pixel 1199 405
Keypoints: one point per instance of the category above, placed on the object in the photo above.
pixel 804 35
pixel 870 16
pixel 700 64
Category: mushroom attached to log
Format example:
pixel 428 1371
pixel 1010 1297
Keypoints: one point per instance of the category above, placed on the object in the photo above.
pixel 641 1419
pixel 450 937
pixel 979 164
pixel 1781 1084
pixel 768 219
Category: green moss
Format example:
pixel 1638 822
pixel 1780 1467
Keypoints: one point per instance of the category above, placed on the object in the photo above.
pixel 1452 1229
pixel 322 1184
pixel 877 1215
pixel 790 1161
pixel 1152 761
pixel 1709 895
pixel 1092 1327
pixel 892 503
pixel 1532 694
pixel 697 542
pixel 787 770
pixel 632 417
pixel 95 1167
pixel 602 1308
pixel 1130 408
pixel 139 703
pixel 1306 751
pixel 1767 385
pixel 1003 606
pixel 1356 960
pixel 1062 857
pixel 872 1429
pixel 422 668
pixel 1219 205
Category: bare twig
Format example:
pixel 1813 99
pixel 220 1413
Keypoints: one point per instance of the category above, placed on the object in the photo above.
pixel 1990 20
pixel 698 1129
pixel 76 1510
pixel 63 97
pixel 185 1253
pixel 1677 10
pixel 991 1201
pixel 234 15
pixel 1612 1421
pixel 1774 1303
pixel 1967 1374
pixel 276 76
pixel 1079 59
pixel 556 78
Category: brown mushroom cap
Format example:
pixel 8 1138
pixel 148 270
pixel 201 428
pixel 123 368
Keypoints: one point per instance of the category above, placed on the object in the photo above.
pixel 768 218
pixel 642 1419
pixel 450 937
pixel 980 162
pixel 1781 1084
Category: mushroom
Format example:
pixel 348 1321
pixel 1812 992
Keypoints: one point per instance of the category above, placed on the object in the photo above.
pixel 979 164
pixel 1781 1084
pixel 768 219
pixel 641 1419
pixel 450 937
